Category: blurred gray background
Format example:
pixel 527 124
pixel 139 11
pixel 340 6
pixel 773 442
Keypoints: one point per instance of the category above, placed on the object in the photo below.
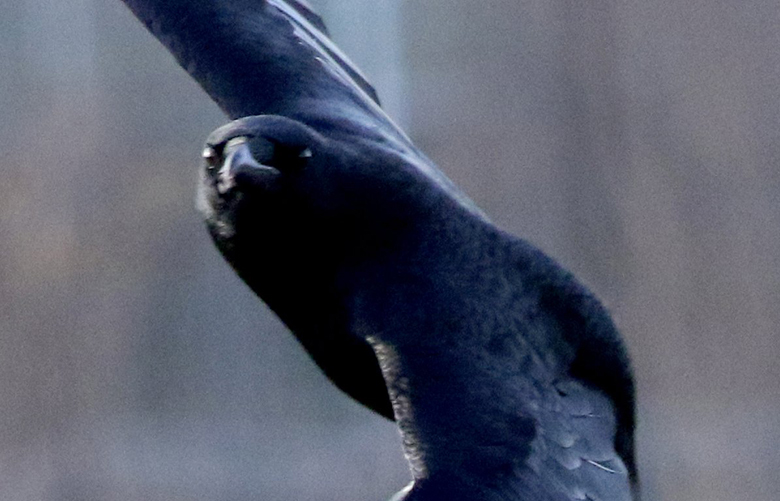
pixel 638 142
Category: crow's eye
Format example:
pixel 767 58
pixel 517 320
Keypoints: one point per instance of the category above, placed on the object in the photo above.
pixel 211 157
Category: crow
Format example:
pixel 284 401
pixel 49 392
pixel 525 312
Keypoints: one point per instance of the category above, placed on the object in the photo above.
pixel 507 378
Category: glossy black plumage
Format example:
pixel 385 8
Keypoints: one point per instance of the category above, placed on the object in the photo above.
pixel 507 377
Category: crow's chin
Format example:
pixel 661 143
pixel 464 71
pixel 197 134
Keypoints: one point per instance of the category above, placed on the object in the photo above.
pixel 221 230
pixel 217 209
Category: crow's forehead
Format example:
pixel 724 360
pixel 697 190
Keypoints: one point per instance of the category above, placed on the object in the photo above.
pixel 237 128
pixel 275 128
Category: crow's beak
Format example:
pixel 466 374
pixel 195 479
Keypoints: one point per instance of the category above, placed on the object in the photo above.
pixel 241 170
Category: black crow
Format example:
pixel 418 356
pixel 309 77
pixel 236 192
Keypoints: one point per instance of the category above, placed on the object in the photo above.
pixel 506 376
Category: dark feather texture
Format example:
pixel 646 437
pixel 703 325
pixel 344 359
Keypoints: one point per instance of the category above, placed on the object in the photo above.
pixel 506 376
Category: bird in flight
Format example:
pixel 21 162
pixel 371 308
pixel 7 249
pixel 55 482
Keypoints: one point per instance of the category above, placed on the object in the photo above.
pixel 507 378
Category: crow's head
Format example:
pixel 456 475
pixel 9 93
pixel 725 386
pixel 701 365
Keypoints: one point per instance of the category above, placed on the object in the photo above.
pixel 275 185
pixel 251 170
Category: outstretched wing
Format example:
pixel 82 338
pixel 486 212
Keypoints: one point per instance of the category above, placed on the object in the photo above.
pixel 310 28
pixel 257 57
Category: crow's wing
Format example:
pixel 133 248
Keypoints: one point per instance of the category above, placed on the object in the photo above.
pixel 575 453
pixel 256 57
pixel 573 457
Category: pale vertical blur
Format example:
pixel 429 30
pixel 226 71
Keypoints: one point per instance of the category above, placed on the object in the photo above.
pixel 637 142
